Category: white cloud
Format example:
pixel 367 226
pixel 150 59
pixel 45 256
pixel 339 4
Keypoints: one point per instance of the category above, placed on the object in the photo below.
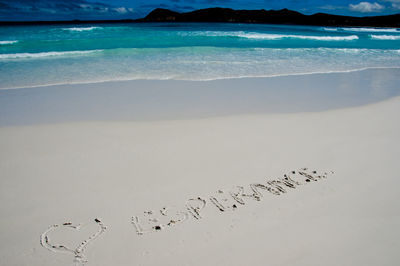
pixel 121 10
pixel 366 7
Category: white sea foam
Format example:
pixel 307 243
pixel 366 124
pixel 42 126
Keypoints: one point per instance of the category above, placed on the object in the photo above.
pixel 385 37
pixel 302 37
pixel 371 29
pixel 82 28
pixel 270 36
pixel 46 54
pixel 331 29
pixel 261 36
pixel 196 63
pixel 7 42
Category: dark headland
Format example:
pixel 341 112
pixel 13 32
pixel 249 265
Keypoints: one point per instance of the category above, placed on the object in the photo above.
pixel 227 15
pixel 283 16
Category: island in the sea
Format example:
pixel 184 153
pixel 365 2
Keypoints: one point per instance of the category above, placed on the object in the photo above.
pixel 227 15
pixel 283 16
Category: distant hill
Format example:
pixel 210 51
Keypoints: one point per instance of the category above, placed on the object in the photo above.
pixel 283 16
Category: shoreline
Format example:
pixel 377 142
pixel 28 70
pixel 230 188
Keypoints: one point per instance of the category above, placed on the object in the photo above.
pixel 110 82
pixel 156 100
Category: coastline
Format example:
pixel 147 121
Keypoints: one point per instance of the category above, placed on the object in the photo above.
pixel 110 82
pixel 75 169
pixel 227 15
pixel 153 100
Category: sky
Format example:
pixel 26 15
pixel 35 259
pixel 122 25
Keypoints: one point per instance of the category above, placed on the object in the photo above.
pixel 12 10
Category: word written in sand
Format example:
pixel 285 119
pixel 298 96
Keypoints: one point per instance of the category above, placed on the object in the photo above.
pixel 223 201
pixel 193 208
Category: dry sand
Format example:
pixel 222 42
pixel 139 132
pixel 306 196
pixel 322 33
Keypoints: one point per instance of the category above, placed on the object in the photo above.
pixel 80 171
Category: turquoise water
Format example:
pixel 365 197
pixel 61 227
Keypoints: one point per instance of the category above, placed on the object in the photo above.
pixel 60 54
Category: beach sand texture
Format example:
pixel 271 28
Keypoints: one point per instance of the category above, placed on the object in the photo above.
pixel 90 178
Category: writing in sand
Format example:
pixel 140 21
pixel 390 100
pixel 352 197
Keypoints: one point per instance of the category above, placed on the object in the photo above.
pixel 152 221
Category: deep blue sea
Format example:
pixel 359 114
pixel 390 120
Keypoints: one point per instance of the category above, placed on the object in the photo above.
pixel 60 54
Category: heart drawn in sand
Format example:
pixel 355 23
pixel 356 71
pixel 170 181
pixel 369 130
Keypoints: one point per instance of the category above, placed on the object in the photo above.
pixel 78 252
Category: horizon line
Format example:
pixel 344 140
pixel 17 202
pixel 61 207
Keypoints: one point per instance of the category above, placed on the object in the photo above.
pixel 139 20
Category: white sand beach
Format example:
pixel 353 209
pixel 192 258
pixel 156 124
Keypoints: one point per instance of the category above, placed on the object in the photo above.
pixel 64 167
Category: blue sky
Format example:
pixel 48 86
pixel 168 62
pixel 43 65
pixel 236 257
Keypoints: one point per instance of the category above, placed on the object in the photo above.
pixel 119 9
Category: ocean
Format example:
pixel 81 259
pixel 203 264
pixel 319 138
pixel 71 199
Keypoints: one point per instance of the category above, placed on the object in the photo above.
pixel 66 54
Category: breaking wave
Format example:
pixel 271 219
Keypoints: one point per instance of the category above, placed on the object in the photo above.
pixel 82 28
pixel 371 29
pixel 46 54
pixel 270 36
pixel 385 37
pixel 302 37
pixel 7 42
